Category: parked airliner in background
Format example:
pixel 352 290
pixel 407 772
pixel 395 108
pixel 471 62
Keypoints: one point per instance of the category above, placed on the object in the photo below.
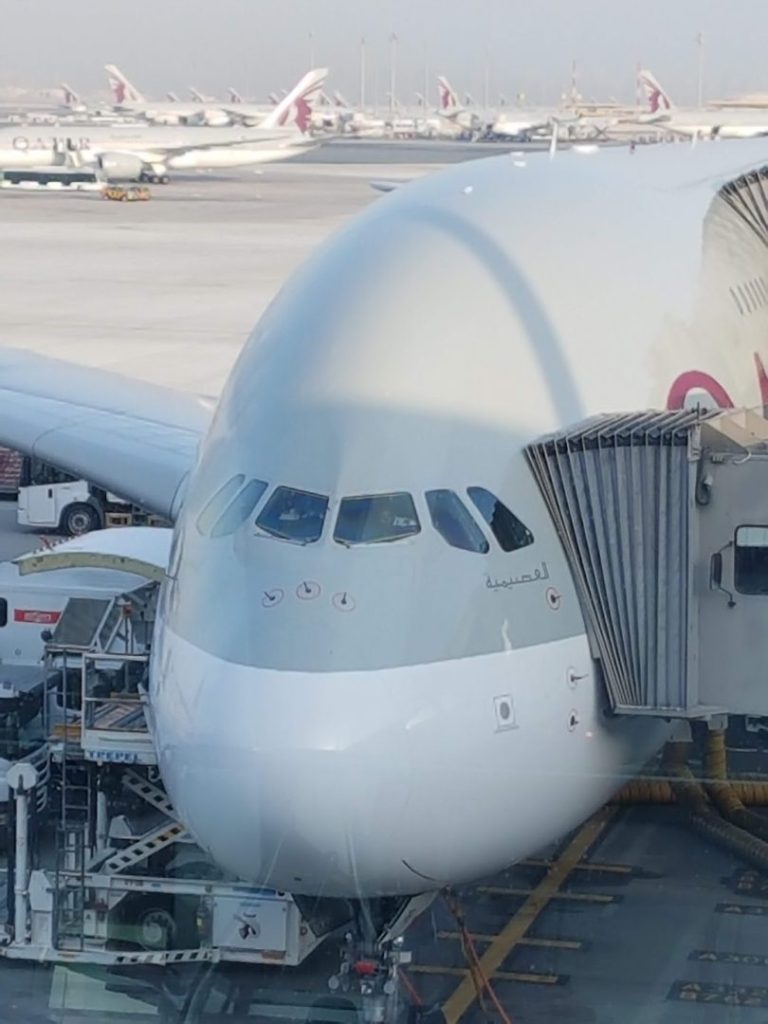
pixel 149 152
pixel 370 672
pixel 699 122
pixel 128 100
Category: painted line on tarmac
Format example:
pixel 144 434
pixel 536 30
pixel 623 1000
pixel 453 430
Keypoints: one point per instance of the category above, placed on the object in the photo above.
pixel 524 918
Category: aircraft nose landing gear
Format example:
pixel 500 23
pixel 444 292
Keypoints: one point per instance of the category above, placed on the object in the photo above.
pixel 372 973
pixel 372 957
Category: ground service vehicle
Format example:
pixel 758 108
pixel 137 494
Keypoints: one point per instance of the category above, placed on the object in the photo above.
pixel 51 499
pixel 118 193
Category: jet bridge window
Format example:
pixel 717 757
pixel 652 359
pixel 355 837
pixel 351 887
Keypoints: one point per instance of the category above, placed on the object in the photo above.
pixel 505 526
pixel 376 519
pixel 750 566
pixel 293 515
pixel 452 520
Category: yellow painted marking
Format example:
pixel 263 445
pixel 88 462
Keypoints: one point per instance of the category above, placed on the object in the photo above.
pixel 578 897
pixel 463 997
pixel 610 869
pixel 541 943
pixel 531 977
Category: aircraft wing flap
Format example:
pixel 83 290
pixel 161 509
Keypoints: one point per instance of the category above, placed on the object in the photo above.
pixel 135 439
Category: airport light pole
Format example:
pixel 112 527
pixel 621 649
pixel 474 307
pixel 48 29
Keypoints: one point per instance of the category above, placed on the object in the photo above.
pixel 426 77
pixel 487 80
pixel 700 71
pixel 362 73
pixel 392 71
pixel 311 49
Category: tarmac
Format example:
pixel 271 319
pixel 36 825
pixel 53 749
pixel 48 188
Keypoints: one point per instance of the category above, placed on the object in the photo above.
pixel 632 919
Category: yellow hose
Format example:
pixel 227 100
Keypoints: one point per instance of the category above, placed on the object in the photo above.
pixel 723 794
pixel 651 790
pixel 735 832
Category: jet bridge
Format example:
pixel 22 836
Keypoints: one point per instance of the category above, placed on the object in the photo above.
pixel 664 520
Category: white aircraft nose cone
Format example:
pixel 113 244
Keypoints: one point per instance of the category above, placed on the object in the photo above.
pixel 281 777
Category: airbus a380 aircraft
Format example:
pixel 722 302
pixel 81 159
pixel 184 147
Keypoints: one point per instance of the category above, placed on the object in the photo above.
pixel 129 100
pixel 149 152
pixel 370 672
pixel 699 122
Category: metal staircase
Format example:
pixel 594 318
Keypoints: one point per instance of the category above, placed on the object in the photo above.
pixel 156 839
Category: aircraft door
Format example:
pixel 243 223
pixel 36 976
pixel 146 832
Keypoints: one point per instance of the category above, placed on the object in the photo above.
pixel 38 505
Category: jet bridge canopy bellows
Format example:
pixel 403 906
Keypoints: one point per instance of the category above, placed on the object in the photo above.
pixel 643 502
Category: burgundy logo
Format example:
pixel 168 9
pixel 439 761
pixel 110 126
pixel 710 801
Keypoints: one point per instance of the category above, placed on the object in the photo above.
pixel 697 380
pixel 300 111
pixel 118 88
pixel 656 98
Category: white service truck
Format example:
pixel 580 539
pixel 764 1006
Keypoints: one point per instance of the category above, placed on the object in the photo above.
pixel 51 499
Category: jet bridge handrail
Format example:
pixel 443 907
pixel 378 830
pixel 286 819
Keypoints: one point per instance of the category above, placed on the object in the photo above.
pixel 96 708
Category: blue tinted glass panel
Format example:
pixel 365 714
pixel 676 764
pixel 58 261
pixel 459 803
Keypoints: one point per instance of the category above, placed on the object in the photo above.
pixel 452 520
pixel 505 526
pixel 293 515
pixel 218 503
pixel 376 519
pixel 239 509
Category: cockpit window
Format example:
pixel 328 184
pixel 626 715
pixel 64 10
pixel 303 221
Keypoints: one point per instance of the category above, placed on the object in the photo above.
pixel 505 526
pixel 239 509
pixel 293 515
pixel 452 520
pixel 376 519
pixel 218 503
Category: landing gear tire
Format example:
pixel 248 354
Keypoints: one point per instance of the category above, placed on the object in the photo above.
pixel 79 519
pixel 157 924
pixel 156 930
pixel 163 179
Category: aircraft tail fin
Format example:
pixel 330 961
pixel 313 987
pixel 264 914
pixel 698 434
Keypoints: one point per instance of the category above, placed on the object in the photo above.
pixel 173 98
pixel 196 95
pixel 296 107
pixel 234 95
pixel 449 98
pixel 122 90
pixel 71 98
pixel 657 98
pixel 341 101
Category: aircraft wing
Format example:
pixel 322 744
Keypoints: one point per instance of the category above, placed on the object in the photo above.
pixel 266 135
pixel 135 439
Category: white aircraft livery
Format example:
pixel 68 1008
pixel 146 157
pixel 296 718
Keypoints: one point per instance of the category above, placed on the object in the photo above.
pixel 699 122
pixel 370 673
pixel 151 151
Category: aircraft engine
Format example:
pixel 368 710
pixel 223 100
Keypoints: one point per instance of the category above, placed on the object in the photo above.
pixel 121 166
pixel 216 118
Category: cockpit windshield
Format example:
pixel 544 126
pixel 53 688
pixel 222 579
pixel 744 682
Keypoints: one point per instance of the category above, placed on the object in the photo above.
pixel 452 520
pixel 217 504
pixel 376 519
pixel 230 506
pixel 239 508
pixel 505 526
pixel 293 515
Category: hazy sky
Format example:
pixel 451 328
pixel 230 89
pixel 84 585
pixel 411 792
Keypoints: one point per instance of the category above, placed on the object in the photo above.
pixel 258 45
